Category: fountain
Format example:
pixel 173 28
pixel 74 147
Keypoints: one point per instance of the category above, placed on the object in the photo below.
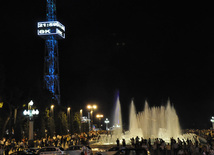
pixel 134 129
pixel 117 127
pixel 117 119
pixel 155 122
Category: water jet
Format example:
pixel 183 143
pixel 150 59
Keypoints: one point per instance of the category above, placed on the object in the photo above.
pixel 153 122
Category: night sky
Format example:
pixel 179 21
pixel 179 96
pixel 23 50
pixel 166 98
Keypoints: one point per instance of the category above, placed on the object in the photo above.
pixel 148 50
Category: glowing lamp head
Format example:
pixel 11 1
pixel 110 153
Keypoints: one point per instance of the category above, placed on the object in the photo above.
pixel 212 120
pixel 106 121
pixel 89 107
pixel 99 116
pixel 25 112
pixel 31 103
pixel 35 112
pixel 94 106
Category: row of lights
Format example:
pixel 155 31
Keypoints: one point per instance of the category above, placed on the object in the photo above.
pixel 89 107
pixel 31 112
pixel 36 112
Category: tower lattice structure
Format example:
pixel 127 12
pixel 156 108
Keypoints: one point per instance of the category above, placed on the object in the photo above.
pixel 51 30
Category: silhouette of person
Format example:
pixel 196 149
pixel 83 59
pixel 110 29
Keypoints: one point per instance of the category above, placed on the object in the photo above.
pixel 118 142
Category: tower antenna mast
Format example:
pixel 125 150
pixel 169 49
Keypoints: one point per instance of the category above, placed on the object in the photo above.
pixel 51 31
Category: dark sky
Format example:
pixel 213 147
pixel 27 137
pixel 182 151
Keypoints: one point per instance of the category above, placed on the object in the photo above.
pixel 148 50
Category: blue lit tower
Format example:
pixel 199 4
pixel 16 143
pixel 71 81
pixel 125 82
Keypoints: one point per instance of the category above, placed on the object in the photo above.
pixel 51 30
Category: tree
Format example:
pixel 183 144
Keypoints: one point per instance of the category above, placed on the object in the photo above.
pixel 51 126
pixel 76 122
pixel 12 98
pixel 41 125
pixel 62 128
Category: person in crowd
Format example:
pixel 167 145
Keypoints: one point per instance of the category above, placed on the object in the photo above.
pixel 124 143
pixel 1 149
pixel 118 142
pixel 137 142
pixel 168 149
pixel 132 141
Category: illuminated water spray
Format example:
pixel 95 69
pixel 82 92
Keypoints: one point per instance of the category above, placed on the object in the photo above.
pixel 153 122
pixel 51 30
pixel 117 119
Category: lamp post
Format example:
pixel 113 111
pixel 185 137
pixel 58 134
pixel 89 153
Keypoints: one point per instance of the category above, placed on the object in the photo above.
pixel 106 122
pixel 80 121
pixel 68 115
pixel 30 113
pixel 52 110
pixel 99 116
pixel 91 109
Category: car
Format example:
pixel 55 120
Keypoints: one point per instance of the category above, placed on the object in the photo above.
pixel 51 150
pixel 74 150
pixel 78 149
pixel 86 150
pixel 33 150
pixel 110 151
pixel 22 153
pixel 133 151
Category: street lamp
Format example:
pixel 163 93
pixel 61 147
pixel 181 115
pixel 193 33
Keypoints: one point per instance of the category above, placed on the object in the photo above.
pixel 99 116
pixel 90 114
pixel 92 106
pixel 52 110
pixel 106 122
pixel 30 113
pixel 80 121
pixel 68 115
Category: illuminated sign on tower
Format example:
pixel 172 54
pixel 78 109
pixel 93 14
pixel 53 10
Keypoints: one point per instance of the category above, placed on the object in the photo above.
pixel 48 28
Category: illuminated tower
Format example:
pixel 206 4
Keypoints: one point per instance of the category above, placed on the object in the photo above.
pixel 51 30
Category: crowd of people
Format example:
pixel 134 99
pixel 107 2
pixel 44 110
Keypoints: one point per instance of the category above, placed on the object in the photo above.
pixel 155 146
pixel 176 146
pixel 9 145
